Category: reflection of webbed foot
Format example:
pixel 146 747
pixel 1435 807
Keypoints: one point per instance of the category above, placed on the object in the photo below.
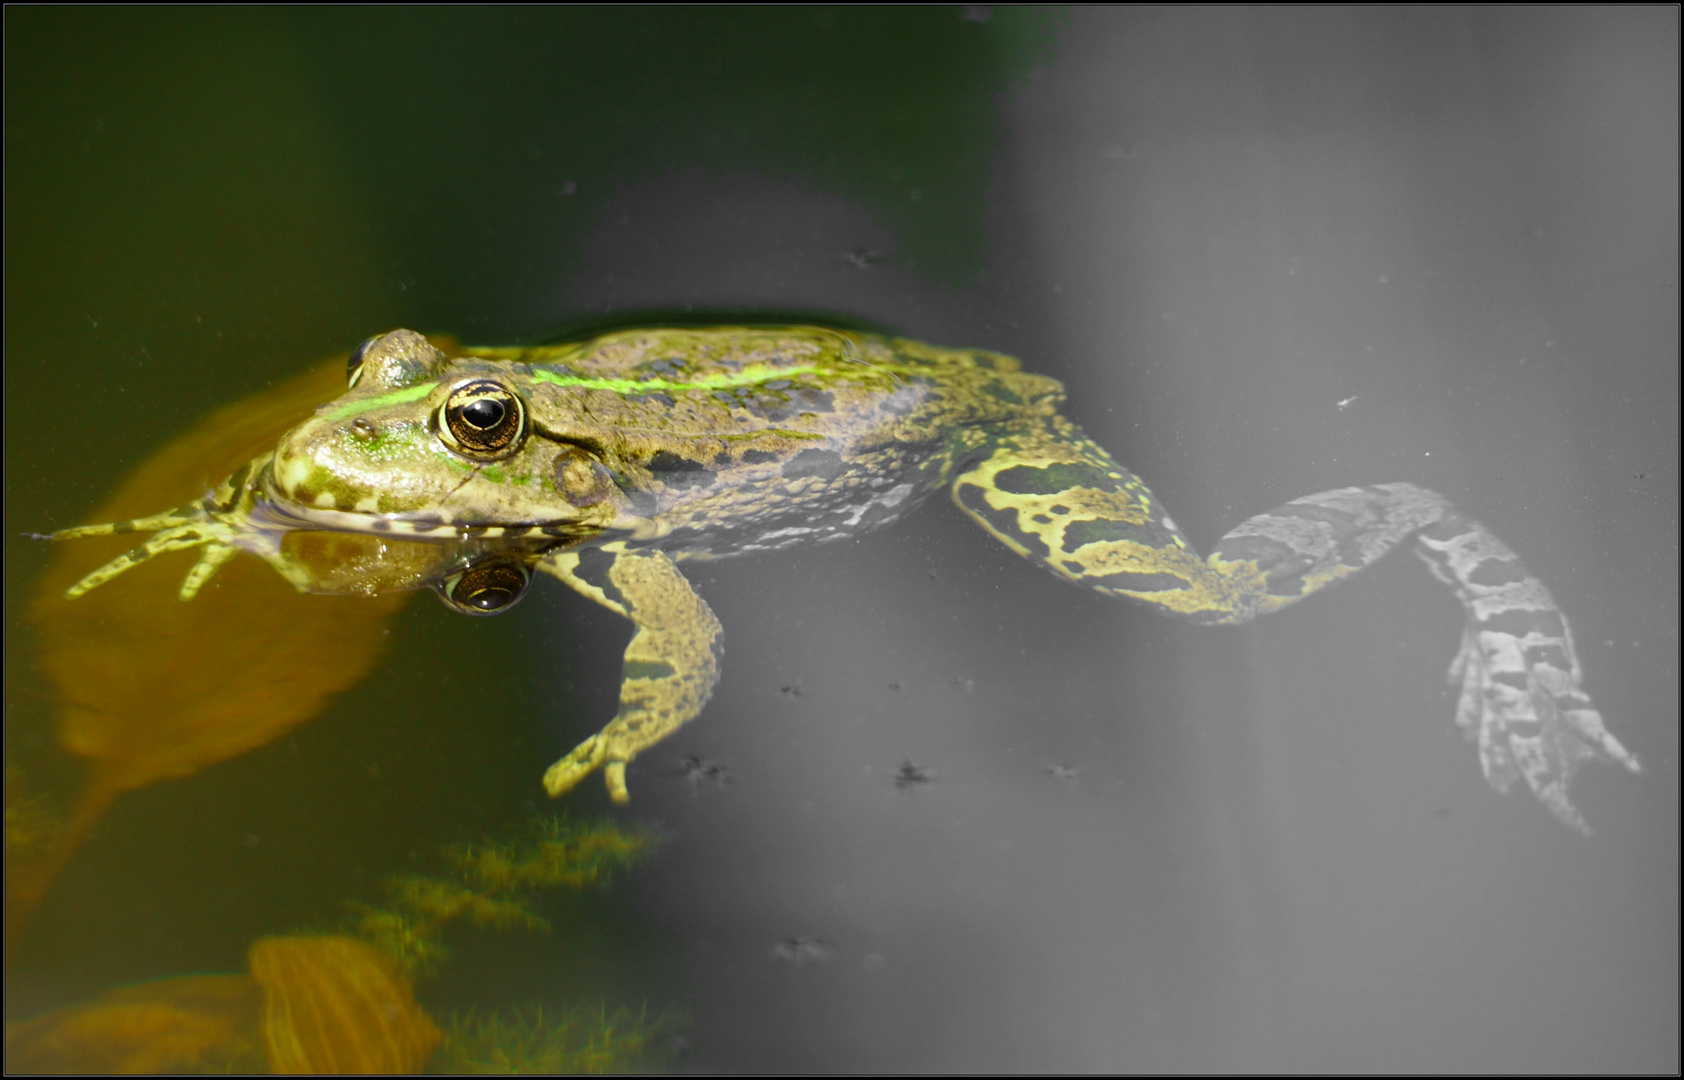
pixel 1529 716
pixel 586 758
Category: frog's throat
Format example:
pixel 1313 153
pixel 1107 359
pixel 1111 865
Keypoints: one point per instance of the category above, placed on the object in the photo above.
pixel 286 516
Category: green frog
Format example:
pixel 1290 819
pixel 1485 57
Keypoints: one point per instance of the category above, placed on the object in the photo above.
pixel 608 463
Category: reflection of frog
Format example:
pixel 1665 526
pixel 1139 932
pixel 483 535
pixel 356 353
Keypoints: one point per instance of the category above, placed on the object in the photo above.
pixel 606 462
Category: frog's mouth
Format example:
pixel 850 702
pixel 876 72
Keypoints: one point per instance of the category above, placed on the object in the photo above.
pixel 284 514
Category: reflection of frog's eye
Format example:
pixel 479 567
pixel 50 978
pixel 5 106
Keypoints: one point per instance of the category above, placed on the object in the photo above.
pixel 489 587
pixel 483 420
pixel 354 366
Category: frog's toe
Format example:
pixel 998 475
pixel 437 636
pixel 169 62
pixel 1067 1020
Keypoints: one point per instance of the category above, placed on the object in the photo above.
pixel 592 754
pixel 185 515
pixel 615 776
pixel 583 760
pixel 176 539
pixel 211 559
pixel 1531 719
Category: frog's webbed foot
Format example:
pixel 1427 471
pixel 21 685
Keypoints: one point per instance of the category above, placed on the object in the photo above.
pixel 1521 701
pixel 213 523
pixel 175 531
pixel 211 559
pixel 671 663
pixel 1528 714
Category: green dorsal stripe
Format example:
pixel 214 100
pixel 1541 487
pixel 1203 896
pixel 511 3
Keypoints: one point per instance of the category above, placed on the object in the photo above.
pixel 396 397
pixel 748 376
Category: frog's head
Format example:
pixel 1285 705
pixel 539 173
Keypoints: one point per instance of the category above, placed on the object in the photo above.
pixel 422 445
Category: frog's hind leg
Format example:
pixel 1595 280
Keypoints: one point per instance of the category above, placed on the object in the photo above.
pixel 671 663
pixel 1051 494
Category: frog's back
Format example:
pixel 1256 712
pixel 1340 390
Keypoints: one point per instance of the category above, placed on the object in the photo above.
pixel 768 390
pixel 712 361
pixel 739 438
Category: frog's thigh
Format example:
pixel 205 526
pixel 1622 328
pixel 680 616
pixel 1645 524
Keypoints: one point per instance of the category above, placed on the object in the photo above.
pixel 671 664
pixel 1052 495
pixel 1055 496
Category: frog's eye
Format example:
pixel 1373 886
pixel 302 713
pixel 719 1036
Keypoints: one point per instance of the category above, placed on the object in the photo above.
pixel 489 587
pixel 354 365
pixel 484 420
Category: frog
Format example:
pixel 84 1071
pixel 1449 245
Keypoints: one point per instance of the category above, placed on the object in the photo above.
pixel 610 461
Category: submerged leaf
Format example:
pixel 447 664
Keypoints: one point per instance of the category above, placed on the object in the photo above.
pixel 190 1024
pixel 336 1005
pixel 154 687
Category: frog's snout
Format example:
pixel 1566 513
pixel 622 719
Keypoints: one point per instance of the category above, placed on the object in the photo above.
pixel 295 476
pixel 338 466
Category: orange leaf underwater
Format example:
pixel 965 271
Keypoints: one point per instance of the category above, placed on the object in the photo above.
pixel 336 1005
pixel 315 1004
pixel 193 1023
pixel 154 687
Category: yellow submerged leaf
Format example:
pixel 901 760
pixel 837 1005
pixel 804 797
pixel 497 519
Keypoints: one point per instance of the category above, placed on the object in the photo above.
pixel 193 1023
pixel 312 1004
pixel 154 687
pixel 336 1005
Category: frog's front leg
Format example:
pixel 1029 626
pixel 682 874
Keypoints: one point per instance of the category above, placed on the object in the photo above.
pixel 220 524
pixel 671 663
pixel 1051 494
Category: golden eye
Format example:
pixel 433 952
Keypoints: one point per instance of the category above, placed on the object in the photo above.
pixel 483 419
pixel 489 587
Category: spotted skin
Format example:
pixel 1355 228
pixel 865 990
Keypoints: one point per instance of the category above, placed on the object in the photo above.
pixel 215 523
pixel 671 664
pixel 1053 496
pixel 609 462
